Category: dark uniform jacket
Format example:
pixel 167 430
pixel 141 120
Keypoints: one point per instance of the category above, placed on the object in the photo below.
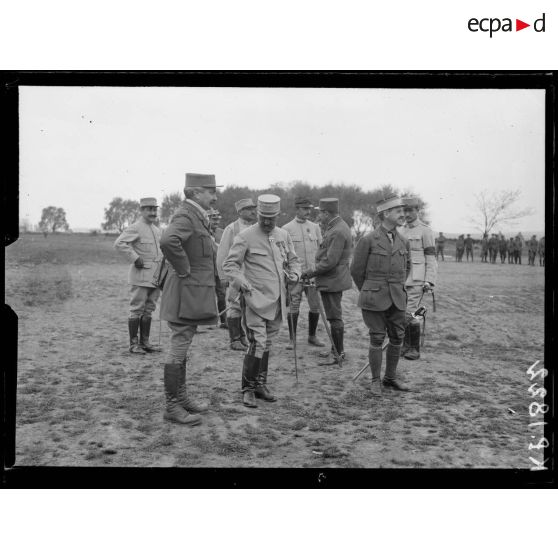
pixel 188 246
pixel 379 270
pixel 332 258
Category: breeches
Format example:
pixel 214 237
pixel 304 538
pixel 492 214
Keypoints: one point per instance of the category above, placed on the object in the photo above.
pixel 332 308
pixel 180 341
pixel 261 332
pixel 391 320
pixel 296 291
pixel 143 300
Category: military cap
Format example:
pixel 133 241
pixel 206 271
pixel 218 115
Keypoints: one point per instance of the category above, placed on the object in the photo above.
pixel 389 203
pixel 243 204
pixel 148 202
pixel 329 204
pixel 411 202
pixel 269 205
pixel 194 180
pixel 303 201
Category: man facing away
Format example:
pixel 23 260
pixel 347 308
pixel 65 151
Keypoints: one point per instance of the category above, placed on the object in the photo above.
pixel 259 264
pixel 424 271
pixel 307 238
pixel 469 247
pixel 380 267
pixel 246 210
pixel 140 244
pixel 332 271
pixel 188 298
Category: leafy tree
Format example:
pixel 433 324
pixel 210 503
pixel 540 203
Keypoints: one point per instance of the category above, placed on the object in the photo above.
pixel 169 205
pixel 120 213
pixel 497 208
pixel 53 218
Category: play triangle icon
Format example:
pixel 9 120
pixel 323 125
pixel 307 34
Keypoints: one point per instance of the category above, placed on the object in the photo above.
pixel 519 25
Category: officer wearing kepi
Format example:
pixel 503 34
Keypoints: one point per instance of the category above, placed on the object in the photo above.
pixel 140 244
pixel 260 263
pixel 424 271
pixel 188 298
pixel 307 238
pixel 332 271
pixel 380 267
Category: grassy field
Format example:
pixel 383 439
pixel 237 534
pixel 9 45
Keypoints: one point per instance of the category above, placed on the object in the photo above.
pixel 84 400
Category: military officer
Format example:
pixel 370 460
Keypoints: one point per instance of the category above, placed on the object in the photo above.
pixel 380 267
pixel 188 298
pixel 306 237
pixel 246 210
pixel 541 251
pixel 332 271
pixel 440 243
pixel 260 263
pixel 533 247
pixel 469 247
pixel 424 271
pixel 140 244
pixel 220 290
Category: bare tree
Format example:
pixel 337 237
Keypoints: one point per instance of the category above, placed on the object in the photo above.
pixel 496 208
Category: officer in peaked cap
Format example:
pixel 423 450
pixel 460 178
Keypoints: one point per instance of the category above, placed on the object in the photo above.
pixel 331 271
pixel 424 271
pixel 307 238
pixel 140 245
pixel 188 298
pixel 380 267
pixel 260 263
pixel 246 209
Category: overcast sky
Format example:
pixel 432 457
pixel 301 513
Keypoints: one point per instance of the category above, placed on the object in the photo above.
pixel 82 146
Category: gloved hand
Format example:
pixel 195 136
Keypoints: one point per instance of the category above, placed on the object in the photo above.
pixel 139 262
pixel 242 284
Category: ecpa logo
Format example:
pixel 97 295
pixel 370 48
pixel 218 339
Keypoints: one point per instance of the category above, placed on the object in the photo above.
pixel 492 25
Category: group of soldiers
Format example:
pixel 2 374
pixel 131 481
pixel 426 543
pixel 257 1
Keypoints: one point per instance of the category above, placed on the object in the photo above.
pixel 256 274
pixel 496 245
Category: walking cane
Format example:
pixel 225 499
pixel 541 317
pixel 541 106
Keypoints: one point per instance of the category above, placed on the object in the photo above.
pixel 357 375
pixel 290 317
pixel 229 306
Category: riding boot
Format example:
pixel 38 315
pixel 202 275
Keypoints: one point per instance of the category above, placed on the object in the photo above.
pixel 414 351
pixel 392 359
pixel 188 403
pixel 174 411
pixel 133 327
pixel 250 370
pixel 406 341
pixel 292 321
pixel 235 333
pixel 313 319
pixel 375 355
pixel 262 391
pixel 145 329
pixel 338 333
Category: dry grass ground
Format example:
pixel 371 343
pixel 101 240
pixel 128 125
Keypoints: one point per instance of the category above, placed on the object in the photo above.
pixel 84 400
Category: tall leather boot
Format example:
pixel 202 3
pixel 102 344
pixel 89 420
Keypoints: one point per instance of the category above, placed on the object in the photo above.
pixel 392 359
pixel 292 321
pixel 414 351
pixel 234 334
pixel 174 411
pixel 313 319
pixel 188 403
pixel 133 327
pixel 406 341
pixel 375 355
pixel 262 391
pixel 145 329
pixel 338 334
pixel 250 370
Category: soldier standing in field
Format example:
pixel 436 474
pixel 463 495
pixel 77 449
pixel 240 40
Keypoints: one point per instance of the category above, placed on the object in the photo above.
pixel 220 291
pixel 518 248
pixel 459 248
pixel 380 267
pixel 541 251
pixel 469 247
pixel 510 247
pixel 140 244
pixel 307 238
pixel 502 248
pixel 332 272
pixel 424 271
pixel 533 247
pixel 440 243
pixel 484 247
pixel 259 264
pixel 493 248
pixel 188 298
pixel 246 210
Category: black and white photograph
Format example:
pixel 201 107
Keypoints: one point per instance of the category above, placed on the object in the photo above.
pixel 334 276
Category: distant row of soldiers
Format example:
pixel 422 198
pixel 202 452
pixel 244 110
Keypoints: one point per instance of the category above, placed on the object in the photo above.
pixel 496 245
